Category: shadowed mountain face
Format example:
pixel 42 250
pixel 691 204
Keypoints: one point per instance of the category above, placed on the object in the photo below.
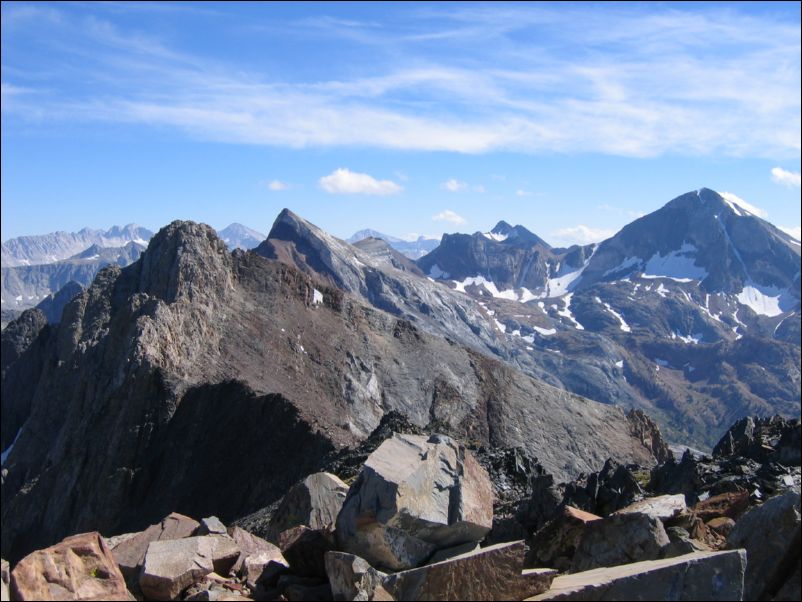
pixel 690 313
pixel 219 379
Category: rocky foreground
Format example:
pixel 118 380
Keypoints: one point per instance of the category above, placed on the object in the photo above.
pixel 427 518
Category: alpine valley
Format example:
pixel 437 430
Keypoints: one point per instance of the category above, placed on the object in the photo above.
pixel 219 376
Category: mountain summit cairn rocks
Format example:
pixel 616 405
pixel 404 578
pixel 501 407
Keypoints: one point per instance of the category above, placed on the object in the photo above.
pixel 414 496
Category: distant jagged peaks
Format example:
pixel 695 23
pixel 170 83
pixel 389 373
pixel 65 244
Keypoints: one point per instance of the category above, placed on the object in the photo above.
pixel 57 246
pixel 518 235
pixel 238 236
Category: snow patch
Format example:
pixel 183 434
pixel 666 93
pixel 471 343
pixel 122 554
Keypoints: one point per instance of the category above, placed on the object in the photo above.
pixel 494 236
pixel 566 313
pixel 546 332
pixel 627 263
pixel 678 265
pixel 764 300
pixel 619 364
pixel 317 297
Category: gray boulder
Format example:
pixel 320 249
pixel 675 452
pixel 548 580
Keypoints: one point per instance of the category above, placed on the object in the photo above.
pixel 415 496
pixel 771 536
pixel 698 576
pixel 620 539
pixel 211 526
pixel 555 544
pixel 250 545
pixel 662 507
pixel 315 502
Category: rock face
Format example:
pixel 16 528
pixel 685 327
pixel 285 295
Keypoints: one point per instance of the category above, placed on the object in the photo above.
pixel 79 568
pixel 414 496
pixel 620 539
pixel 762 439
pixel 491 573
pixel 698 576
pixel 314 502
pixel 305 550
pixel 176 345
pixel 130 553
pixel 771 536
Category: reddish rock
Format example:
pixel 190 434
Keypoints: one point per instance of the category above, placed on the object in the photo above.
pixel 79 568
pixel 731 504
pixel 130 553
pixel 722 525
pixel 249 545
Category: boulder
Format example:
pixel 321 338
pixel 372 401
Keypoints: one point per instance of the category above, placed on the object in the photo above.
pixel 619 539
pixel 612 488
pixel 681 543
pixel 305 549
pixel 80 567
pixel 697 576
pixel 263 569
pixel 352 578
pixel 5 580
pixel 771 536
pixel 251 545
pixel 491 573
pixel 315 502
pixel 722 525
pixel 555 544
pixel 662 507
pixel 415 496
pixel 129 554
pixel 171 566
pixel 211 526
pixel 731 504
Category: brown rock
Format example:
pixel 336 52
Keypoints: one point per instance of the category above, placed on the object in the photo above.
pixel 5 573
pixel 351 577
pixel 130 553
pixel 555 544
pixel 731 504
pixel 264 568
pixel 492 573
pixel 173 565
pixel 721 525
pixel 304 549
pixel 698 576
pixel 81 567
pixel 249 544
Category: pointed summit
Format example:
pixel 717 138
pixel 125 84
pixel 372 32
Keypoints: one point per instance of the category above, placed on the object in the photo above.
pixel 518 235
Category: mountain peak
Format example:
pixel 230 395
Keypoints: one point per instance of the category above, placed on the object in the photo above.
pixel 502 228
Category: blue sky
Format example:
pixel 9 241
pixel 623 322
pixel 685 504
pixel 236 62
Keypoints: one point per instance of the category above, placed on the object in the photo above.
pixel 410 118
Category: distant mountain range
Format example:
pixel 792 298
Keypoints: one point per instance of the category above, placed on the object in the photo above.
pixel 413 249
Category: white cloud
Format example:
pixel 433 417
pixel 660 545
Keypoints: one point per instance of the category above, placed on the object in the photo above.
pixel 785 177
pixel 449 216
pixel 345 181
pixel 795 232
pixel 582 234
pixel 277 185
pixel 743 204
pixel 453 185
pixel 522 193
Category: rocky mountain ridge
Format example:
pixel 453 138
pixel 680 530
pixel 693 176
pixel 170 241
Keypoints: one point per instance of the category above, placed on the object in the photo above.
pixel 197 357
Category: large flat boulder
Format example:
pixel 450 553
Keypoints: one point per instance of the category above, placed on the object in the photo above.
pixel 697 576
pixel 491 573
pixel 80 567
pixel 315 502
pixel 173 565
pixel 129 553
pixel 415 495
pixel 305 549
pixel 251 545
pixel 771 536
pixel 662 507
pixel 620 539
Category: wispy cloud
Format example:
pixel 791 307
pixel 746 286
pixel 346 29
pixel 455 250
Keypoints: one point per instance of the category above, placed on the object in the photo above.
pixel 453 185
pixel 733 198
pixel 522 193
pixel 581 234
pixel 785 177
pixel 624 81
pixel 449 216
pixel 345 181
pixel 278 185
